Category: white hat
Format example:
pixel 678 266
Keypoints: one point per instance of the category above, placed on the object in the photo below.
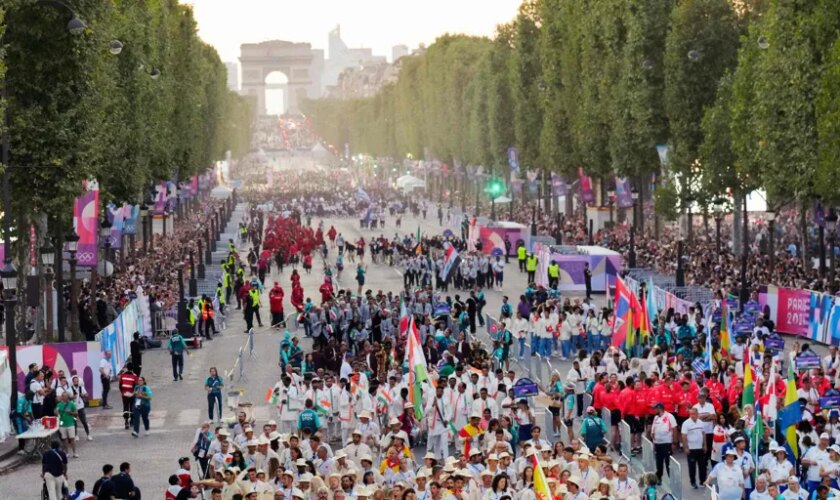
pixel 431 455
pixel 731 451
pixel 365 414
pixel 251 442
pixel 224 432
pixel 366 457
pixel 486 472
pixel 305 478
pixel 296 492
pixel 825 435
pixel 475 414
pixel 493 456
pixel 340 454
pixel 263 440
pixel 300 462
pixel 474 452
pixel 574 480
pixel 834 448
pixel 394 421
pixel 357 431
pixel 503 454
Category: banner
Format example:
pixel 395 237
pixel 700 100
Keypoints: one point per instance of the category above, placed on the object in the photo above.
pixel 74 358
pixel 516 185
pixel 513 159
pixel 131 213
pixel 116 216
pixel 586 193
pixel 160 198
pixel 809 314
pixel 558 186
pixel 623 194
pixel 86 223
pixel 171 196
pixel 117 336
pixel 662 150
pixel 194 185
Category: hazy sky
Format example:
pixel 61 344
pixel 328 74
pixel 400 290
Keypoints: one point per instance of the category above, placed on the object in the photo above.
pixel 378 24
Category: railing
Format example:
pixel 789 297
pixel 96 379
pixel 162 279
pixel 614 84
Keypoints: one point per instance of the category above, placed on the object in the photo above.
pixel 675 477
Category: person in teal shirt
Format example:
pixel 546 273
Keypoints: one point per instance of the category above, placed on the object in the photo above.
pixel 213 385
pixel 142 406
pixel 176 347
pixel 308 418
pixel 23 417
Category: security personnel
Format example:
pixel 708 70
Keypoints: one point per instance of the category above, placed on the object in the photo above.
pixel 220 294
pixel 192 308
pixel 531 266
pixel 520 254
pixel 254 295
pixel 207 315
pixel 553 274
pixel 227 282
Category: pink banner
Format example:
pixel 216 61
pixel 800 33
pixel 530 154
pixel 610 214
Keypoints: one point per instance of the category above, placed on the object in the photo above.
pixel 586 193
pixel 160 198
pixel 790 308
pixel 86 222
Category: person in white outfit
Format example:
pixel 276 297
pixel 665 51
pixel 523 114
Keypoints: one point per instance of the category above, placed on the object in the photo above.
pixel 438 416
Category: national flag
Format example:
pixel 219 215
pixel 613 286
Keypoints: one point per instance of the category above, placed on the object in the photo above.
pixel 367 218
pixel 467 433
pixel 644 317
pixel 417 374
pixel 451 260
pixel 791 415
pixel 622 312
pixel 540 482
pixel 361 194
pixel 748 396
pixel 403 319
pixel 725 328
pixel 650 302
pixel 709 354
pixel 757 435
pixel 772 410
pixel 384 400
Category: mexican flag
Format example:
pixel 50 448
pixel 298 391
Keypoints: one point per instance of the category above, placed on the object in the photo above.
pixel 417 374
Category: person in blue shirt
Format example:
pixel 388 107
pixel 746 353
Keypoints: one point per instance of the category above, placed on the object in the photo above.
pixel 213 385
pixel 308 418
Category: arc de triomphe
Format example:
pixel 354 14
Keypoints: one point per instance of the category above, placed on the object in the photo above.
pixel 298 61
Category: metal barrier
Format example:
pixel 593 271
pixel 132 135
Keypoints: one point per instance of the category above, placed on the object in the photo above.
pixel 548 426
pixel 626 439
pixel 587 401
pixel 648 462
pixel 712 492
pixel 606 416
pixel 564 433
pixel 675 477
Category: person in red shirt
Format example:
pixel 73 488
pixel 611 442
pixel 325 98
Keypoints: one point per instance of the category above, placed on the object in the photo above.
pixel 598 390
pixel 665 393
pixel 609 398
pixel 127 380
pixel 297 297
pixel 635 411
pixel 685 399
pixel 275 300
pixel 331 234
pixel 326 290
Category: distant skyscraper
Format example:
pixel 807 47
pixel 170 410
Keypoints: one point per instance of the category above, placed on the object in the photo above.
pixel 398 51
pixel 232 76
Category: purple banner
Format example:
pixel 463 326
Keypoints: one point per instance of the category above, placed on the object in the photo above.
pixel 160 198
pixel 116 216
pixel 558 185
pixel 513 159
pixel 623 195
pixel 819 214
pixel 516 185
pixel 86 222
pixel 586 193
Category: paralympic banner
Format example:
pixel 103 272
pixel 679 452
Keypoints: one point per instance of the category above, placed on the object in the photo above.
pixel 558 186
pixel 160 198
pixel 623 196
pixel 586 193
pixel 86 222
pixel 117 336
pixel 74 358
pixel 805 313
pixel 116 216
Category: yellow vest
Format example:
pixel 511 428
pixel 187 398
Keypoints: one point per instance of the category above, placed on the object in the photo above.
pixel 531 264
pixel 554 271
pixel 520 252
pixel 255 297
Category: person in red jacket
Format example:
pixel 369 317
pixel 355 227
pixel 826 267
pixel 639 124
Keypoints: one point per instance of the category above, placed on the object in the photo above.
pixel 326 290
pixel 610 400
pixel 685 399
pixel 297 297
pixel 635 410
pixel 275 299
pixel 665 393
pixel 331 234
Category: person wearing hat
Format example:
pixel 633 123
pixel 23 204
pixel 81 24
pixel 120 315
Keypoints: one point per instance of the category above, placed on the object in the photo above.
pixel 357 448
pixel 815 456
pixel 729 477
pixel 665 437
pixel 438 414
pixel 471 435
pixel 589 477
pixel 781 468
pixel 575 490
pixel 593 429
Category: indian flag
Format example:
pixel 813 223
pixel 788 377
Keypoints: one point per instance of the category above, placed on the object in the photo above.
pixel 748 397
pixel 417 374
pixel 540 482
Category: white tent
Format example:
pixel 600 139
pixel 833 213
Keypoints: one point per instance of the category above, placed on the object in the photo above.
pixel 408 182
pixel 502 199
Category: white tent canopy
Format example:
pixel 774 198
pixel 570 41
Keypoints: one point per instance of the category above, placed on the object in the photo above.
pixel 502 199
pixel 410 182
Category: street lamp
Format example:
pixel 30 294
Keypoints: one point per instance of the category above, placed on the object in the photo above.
pixel 610 199
pixel 631 257
pixel 193 281
pixel 48 260
pixel 771 227
pixel 105 236
pixel 73 247
pixel 144 214
pixel 831 225
pixel 183 324
pixel 533 220
pixel 200 259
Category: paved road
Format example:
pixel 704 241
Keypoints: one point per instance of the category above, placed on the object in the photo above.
pixel 179 407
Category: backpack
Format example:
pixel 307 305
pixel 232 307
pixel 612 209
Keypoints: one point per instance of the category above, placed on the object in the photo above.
pixel 594 432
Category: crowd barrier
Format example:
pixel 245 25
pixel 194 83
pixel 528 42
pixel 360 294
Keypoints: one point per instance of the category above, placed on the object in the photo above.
pixel 648 462
pixel 675 477
pixel 626 439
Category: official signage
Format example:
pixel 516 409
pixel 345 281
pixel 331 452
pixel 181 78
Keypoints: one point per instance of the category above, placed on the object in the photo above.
pixel 807 361
pixel 525 387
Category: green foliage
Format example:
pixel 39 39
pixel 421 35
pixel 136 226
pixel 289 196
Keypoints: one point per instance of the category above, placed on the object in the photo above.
pixel 667 202
pixel 77 112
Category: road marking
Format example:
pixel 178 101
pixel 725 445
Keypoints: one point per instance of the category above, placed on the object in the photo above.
pixel 189 417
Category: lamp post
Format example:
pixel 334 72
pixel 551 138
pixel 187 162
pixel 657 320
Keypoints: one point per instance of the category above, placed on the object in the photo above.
pixel 200 259
pixel 821 234
pixel 105 236
pixel 144 213
pixel 611 200
pixel 745 292
pixel 9 277
pixel 831 225
pixel 718 209
pixel 771 251
pixel 208 254
pixel 48 260
pixel 72 247
pixel 680 268
pixel 533 220
pixel 183 325
pixel 591 232
pixel 193 281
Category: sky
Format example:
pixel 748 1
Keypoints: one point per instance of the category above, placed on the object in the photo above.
pixel 377 24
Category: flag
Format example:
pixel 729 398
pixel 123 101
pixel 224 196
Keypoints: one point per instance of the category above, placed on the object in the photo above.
pixel 790 415
pixel 467 433
pixel 725 328
pixel 622 312
pixel 651 303
pixel 748 396
pixel 361 194
pixel 384 400
pixel 757 436
pixel 403 319
pixel 644 318
pixel 586 194
pixel 709 355
pixel 451 260
pixel 418 233
pixel 772 410
pixel 540 482
pixel 416 369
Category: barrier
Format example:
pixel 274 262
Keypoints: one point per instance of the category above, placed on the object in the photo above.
pixel 549 422
pixel 626 439
pixel 606 416
pixel 564 433
pixel 648 461
pixel 675 477
pixel 587 401
pixel 712 493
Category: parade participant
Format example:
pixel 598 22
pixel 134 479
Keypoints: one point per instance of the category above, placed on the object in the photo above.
pixel 66 412
pixel 214 385
pixel 142 406
pixel 275 298
pixel 126 381
pixel 176 347
pixel 665 431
